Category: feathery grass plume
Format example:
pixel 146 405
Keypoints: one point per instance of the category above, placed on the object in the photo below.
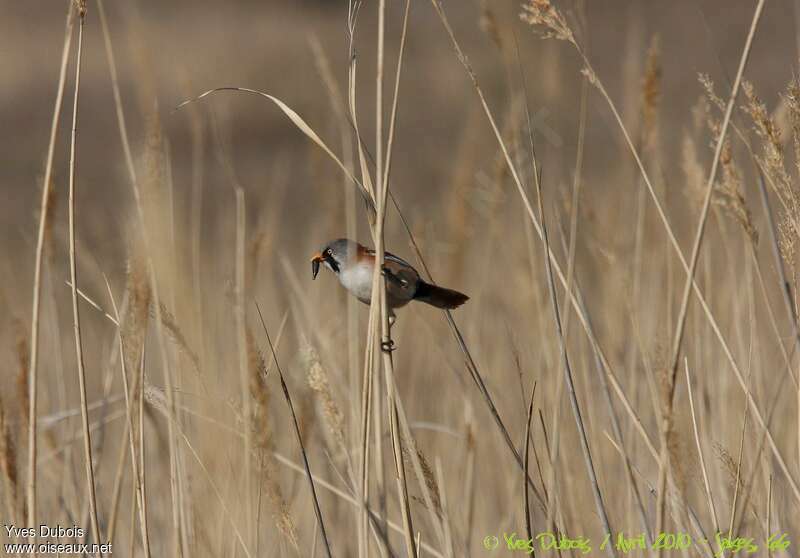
pixel 318 381
pixel 427 474
pixel 488 24
pixel 772 161
pixel 651 93
pixel 134 325
pixel 711 95
pixel 729 464
pixel 176 335
pixel 263 440
pixel 23 362
pixel 154 196
pixel 728 194
pixel 664 390
pixel 679 458
pixel 156 398
pixel 8 463
pixel 792 99
pixel 550 20
pixel 787 242
pixel 259 392
pixel 772 157
pixel 691 166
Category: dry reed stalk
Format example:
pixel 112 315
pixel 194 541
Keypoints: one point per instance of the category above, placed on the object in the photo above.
pixel 527 445
pixel 154 189
pixel 738 483
pixel 73 277
pixel 298 121
pixel 366 188
pixel 288 398
pixel 617 430
pixel 354 7
pixel 749 485
pixel 448 536
pixel 241 336
pixel 529 209
pixel 704 469
pixel 573 298
pixel 379 278
pixel 687 290
pixel 44 220
pixel 563 348
pixel 119 477
pixel 589 72
pixel 130 400
pixel 575 199
pixel 263 437
pixel 338 104
pixel 366 402
pixel 784 282
pixel 649 104
pixel 151 274
pixel 159 401
pixel 424 475
pixel 318 382
pixel 352 500
pixel 197 130
pixel 378 410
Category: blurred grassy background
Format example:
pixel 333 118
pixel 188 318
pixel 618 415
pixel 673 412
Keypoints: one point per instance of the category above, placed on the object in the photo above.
pixel 450 180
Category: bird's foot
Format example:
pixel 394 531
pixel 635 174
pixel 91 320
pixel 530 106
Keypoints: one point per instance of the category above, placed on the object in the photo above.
pixel 387 345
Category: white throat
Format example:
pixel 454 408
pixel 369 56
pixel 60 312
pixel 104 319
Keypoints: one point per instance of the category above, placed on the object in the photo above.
pixel 357 278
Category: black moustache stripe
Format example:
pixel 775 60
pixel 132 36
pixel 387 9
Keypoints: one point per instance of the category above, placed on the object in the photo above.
pixel 333 264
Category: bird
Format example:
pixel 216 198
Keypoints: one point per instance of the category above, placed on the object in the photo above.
pixel 354 265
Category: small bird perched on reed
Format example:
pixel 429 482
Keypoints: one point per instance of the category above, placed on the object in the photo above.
pixel 354 265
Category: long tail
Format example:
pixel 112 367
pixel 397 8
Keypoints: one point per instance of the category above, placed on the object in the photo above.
pixel 439 296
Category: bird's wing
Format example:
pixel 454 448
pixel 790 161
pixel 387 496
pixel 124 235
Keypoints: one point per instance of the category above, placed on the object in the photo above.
pixel 389 257
pixel 401 275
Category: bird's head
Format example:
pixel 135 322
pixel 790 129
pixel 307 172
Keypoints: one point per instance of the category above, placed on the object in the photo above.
pixel 333 255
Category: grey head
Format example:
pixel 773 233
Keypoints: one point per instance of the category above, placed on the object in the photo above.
pixel 334 255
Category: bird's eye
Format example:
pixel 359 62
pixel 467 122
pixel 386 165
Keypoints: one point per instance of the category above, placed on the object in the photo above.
pixel 328 252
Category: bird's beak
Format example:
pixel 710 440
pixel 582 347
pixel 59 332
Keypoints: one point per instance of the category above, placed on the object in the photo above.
pixel 315 261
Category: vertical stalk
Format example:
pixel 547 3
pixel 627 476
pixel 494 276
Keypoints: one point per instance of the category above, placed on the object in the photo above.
pixel 379 286
pixel 241 334
pixel 129 413
pixel 126 148
pixel 687 290
pixel 576 410
pixel 37 277
pixel 87 438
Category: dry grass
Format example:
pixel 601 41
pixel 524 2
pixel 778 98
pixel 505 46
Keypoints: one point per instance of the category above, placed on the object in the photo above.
pixel 646 231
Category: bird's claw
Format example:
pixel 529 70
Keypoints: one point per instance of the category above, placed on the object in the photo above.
pixel 387 345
